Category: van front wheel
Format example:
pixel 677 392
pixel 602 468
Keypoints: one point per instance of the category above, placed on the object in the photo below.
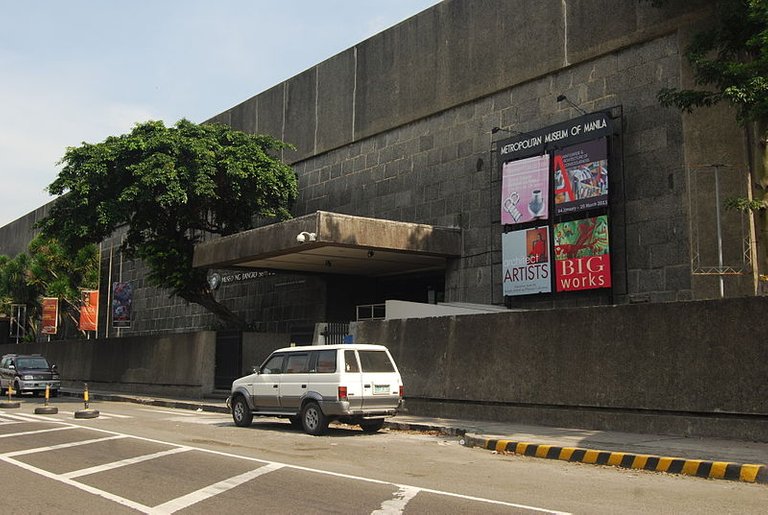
pixel 241 413
pixel 313 419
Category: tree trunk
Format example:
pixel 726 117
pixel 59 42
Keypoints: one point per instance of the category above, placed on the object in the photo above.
pixel 226 315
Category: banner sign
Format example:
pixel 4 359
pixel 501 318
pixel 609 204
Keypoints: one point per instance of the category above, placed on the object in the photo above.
pixel 50 318
pixel 526 261
pixel 583 128
pixel 581 177
pixel 122 298
pixel 525 190
pixel 89 310
pixel 582 254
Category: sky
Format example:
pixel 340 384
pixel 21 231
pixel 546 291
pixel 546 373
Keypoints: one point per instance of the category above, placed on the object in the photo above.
pixel 74 71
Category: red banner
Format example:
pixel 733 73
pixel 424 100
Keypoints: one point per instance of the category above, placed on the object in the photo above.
pixel 50 315
pixel 89 310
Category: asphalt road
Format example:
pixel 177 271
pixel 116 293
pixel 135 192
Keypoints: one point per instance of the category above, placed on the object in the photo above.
pixel 135 458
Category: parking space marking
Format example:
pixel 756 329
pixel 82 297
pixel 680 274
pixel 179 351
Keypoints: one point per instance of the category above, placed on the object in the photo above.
pixel 399 500
pixel 122 463
pixel 67 445
pixel 38 431
pixel 215 489
pixel 177 412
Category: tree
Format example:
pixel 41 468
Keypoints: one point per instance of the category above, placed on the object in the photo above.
pixel 169 187
pixel 57 272
pixel 47 270
pixel 730 64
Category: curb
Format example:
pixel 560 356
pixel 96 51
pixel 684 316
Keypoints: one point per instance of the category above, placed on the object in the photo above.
pixel 148 401
pixel 749 473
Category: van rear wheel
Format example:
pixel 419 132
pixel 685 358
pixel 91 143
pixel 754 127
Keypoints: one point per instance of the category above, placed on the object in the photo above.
pixel 313 419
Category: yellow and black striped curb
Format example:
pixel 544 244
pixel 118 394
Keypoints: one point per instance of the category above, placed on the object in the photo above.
pixel 699 468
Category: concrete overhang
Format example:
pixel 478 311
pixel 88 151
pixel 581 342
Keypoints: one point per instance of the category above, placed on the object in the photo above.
pixel 335 244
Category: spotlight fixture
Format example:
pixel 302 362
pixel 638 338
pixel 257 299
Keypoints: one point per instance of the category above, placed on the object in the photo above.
pixel 305 236
pixel 563 98
pixel 502 129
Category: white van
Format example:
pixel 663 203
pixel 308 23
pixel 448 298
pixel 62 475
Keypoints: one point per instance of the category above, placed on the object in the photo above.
pixel 312 385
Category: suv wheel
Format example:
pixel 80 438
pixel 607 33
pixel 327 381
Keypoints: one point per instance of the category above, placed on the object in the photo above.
pixel 313 419
pixel 241 413
pixel 17 389
pixel 371 426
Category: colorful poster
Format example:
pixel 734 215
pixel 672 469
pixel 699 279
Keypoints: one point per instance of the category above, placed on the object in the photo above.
pixel 581 177
pixel 122 298
pixel 89 310
pixel 526 260
pixel 525 190
pixel 582 254
pixel 50 318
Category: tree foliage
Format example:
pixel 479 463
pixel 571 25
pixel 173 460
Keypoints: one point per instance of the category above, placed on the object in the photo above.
pixel 729 61
pixel 169 187
pixel 48 270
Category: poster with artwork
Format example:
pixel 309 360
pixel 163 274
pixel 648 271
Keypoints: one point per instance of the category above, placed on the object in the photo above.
pixel 122 300
pixel 89 310
pixel 581 177
pixel 525 190
pixel 50 315
pixel 582 254
pixel 526 261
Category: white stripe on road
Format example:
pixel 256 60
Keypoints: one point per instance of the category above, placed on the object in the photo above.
pixel 397 504
pixel 123 463
pixel 62 446
pixel 215 489
pixel 38 431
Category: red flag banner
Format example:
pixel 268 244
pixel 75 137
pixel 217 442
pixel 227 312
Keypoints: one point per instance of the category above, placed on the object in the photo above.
pixel 89 310
pixel 50 315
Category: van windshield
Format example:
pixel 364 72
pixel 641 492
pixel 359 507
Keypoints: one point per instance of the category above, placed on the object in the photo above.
pixel 375 361
pixel 31 363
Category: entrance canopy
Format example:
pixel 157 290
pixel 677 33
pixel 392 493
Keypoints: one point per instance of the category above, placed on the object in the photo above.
pixel 335 243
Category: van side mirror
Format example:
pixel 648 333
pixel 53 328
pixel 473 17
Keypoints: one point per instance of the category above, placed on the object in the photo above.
pixel 54 368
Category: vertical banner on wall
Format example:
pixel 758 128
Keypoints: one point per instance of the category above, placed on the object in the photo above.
pixel 581 176
pixel 525 190
pixel 89 310
pixel 582 254
pixel 50 318
pixel 122 299
pixel 526 260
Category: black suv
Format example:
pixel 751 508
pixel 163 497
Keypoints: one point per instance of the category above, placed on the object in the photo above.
pixel 28 373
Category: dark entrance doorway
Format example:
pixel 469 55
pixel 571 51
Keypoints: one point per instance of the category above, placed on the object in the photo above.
pixel 229 358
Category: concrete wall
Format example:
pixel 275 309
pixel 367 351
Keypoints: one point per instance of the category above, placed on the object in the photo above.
pixel 693 368
pixel 178 364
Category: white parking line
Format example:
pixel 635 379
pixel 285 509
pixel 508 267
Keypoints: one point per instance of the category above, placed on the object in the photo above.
pixel 61 446
pixel 123 463
pixel 37 431
pixel 215 489
pixel 398 502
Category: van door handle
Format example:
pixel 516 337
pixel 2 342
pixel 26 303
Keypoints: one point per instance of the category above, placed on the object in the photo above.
pixel 303 386
pixel 366 386
pixel 274 386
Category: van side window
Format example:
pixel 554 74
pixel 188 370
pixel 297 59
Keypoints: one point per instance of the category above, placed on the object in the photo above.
pixel 375 361
pixel 350 361
pixel 273 366
pixel 326 361
pixel 297 364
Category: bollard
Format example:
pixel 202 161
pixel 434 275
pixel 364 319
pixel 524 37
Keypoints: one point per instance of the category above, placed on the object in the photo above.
pixel 10 403
pixel 45 409
pixel 87 412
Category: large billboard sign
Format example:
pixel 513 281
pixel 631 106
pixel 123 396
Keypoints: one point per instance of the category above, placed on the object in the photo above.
pixel 582 254
pixel 525 190
pixel 526 261
pixel 581 177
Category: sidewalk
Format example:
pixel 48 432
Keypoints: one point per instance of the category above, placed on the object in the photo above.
pixel 703 457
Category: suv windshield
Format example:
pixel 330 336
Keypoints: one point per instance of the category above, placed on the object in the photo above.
pixel 375 361
pixel 31 363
